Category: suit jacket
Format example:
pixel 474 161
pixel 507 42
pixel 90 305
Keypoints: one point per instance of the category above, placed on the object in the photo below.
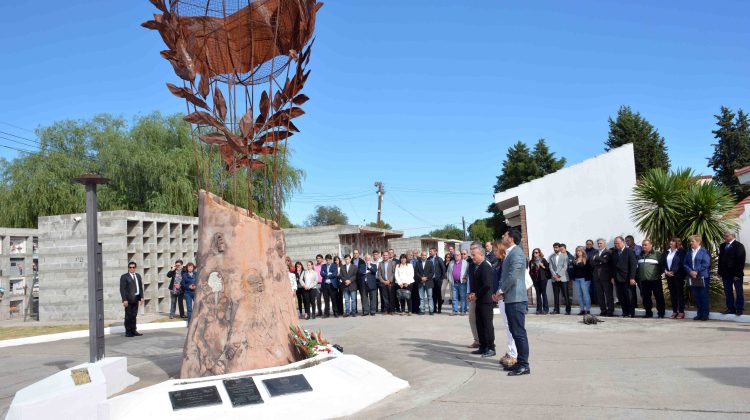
pixel 513 276
pixel 558 264
pixel 464 271
pixel 371 276
pixel 481 282
pixel 702 263
pixel 350 275
pixel 389 275
pixel 601 266
pixel 678 264
pixel 361 268
pixel 732 260
pixel 330 272
pixel 624 265
pixel 438 268
pixel 127 288
pixel 420 272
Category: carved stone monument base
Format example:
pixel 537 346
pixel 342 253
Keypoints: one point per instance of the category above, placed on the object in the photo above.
pixel 243 302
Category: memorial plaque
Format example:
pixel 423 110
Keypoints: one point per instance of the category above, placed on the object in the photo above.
pixel 242 391
pixel 195 397
pixel 287 385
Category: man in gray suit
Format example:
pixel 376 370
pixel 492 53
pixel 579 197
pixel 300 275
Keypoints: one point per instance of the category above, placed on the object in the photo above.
pixel 513 293
pixel 387 282
pixel 558 264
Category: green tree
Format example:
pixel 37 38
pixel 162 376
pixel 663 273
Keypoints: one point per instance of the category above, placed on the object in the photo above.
pixel 731 150
pixel 151 167
pixel 382 225
pixel 327 216
pixel 545 160
pixel 481 231
pixel 448 232
pixel 649 148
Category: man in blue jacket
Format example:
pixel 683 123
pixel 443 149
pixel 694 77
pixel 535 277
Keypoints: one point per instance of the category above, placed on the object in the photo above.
pixel 513 292
pixel 329 272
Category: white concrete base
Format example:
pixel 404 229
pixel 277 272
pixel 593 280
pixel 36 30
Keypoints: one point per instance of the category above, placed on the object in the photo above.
pixel 342 385
pixel 716 316
pixel 57 397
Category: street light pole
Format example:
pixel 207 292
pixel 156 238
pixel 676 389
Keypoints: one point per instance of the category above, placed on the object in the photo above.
pixel 94 261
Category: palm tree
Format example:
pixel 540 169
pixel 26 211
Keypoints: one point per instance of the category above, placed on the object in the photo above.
pixel 706 213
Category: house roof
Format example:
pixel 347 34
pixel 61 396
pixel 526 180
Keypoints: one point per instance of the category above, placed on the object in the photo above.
pixel 739 209
pixel 741 171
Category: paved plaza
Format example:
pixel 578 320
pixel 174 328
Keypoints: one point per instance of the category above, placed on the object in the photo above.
pixel 623 368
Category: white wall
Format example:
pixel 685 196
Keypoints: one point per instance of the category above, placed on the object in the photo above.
pixel 744 231
pixel 584 201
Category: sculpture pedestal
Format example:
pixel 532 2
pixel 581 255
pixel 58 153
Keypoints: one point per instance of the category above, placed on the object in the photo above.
pixel 243 301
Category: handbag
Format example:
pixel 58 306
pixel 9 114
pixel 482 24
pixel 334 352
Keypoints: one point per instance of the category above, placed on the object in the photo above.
pixel 696 282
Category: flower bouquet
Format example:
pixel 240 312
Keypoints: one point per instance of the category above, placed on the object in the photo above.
pixel 309 343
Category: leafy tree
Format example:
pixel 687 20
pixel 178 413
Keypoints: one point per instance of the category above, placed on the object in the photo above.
pixel 448 232
pixel 731 150
pixel 382 225
pixel 545 160
pixel 327 216
pixel 649 148
pixel 481 231
pixel 151 167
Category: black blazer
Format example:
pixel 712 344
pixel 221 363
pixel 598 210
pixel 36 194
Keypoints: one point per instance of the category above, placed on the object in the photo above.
pixel 127 288
pixel 537 273
pixel 350 275
pixel 361 268
pixel 420 272
pixel 623 265
pixel 170 275
pixel 371 276
pixel 732 260
pixel 481 282
pixel 438 268
pixel 601 269
pixel 678 263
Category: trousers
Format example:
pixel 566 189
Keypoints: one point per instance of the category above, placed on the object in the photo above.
pixel 516 313
pixel 655 288
pixel 131 312
pixel 485 328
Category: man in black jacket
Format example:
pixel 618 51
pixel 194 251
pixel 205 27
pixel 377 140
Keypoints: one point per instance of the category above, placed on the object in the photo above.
pixel 481 293
pixel 348 274
pixel 731 270
pixel 131 292
pixel 624 267
pixel 438 273
pixel 423 272
pixel 601 274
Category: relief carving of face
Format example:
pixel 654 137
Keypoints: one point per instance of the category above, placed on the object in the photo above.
pixel 219 245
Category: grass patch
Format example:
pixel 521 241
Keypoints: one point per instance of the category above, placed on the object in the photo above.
pixel 8 333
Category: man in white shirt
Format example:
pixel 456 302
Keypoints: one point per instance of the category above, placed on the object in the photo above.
pixel 131 292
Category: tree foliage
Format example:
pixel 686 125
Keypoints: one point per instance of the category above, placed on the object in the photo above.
pixel 448 232
pixel 382 225
pixel 664 205
pixel 327 216
pixel 649 148
pixel 731 150
pixel 481 231
pixel 151 166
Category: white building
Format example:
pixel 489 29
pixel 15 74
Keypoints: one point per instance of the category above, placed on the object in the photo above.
pixel 742 211
pixel 588 200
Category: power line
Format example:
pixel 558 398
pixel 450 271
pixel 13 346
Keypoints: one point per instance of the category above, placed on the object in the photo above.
pixel 396 202
pixel 18 150
pixel 26 144
pixel 15 126
pixel 21 137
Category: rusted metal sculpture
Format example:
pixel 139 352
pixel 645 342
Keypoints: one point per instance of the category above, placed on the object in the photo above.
pixel 257 52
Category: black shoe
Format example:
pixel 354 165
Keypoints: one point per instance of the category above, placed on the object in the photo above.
pixel 519 371
pixel 372 313
pixel 696 318
pixel 335 315
pixel 660 316
pixel 739 313
pixel 183 317
pixel 489 353
pixel 728 312
pixel 567 312
pixel 555 312
pixel 432 313
pixel 346 315
pixel 582 313
pixel 705 318
pixel 610 314
pixel 137 334
pixel 649 315
pixel 479 351
pixel 129 335
pixel 353 315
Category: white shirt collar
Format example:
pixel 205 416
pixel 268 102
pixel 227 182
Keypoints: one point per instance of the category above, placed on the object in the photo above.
pixel 507 251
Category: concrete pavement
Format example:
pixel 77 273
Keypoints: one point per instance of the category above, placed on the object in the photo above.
pixel 623 368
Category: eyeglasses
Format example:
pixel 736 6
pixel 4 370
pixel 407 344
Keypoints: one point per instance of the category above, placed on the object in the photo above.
pixel 131 266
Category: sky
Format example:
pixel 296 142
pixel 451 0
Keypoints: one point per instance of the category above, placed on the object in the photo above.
pixel 423 95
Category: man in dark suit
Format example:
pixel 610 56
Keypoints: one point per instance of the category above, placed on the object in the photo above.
pixel 131 292
pixel 348 276
pixel 423 272
pixel 329 272
pixel 361 271
pixel 481 294
pixel 601 274
pixel 386 282
pixel 369 290
pixel 438 273
pixel 624 267
pixel 731 271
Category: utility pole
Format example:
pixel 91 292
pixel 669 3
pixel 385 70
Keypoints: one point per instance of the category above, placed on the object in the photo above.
pixel 463 222
pixel 380 192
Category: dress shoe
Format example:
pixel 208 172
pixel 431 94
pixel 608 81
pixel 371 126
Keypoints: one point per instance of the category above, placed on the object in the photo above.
pixel 372 313
pixel 129 335
pixel 519 371
pixel 346 315
pixel 582 313
pixel 474 345
pixel 696 318
pixel 649 315
pixel 727 312
pixel 489 353
pixel 739 313
pixel 555 312
pixel 137 334
pixel 479 351
pixel 704 318
pixel 353 315
pixel 432 313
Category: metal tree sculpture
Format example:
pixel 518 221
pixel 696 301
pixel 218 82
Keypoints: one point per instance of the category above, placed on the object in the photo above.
pixel 243 47
pixel 242 309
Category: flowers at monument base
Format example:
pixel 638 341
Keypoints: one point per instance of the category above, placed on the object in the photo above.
pixel 309 343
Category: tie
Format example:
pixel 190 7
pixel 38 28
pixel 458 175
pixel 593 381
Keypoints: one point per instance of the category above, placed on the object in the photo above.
pixel 135 280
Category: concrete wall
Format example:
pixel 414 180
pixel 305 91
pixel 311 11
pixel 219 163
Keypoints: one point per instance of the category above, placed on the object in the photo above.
pixel 583 201
pixel 16 270
pixel 153 241
pixel 402 245
pixel 304 244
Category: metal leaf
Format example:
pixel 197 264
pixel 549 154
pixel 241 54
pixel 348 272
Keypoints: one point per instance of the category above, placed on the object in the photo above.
pixel 188 95
pixel 203 86
pixel 272 137
pixel 264 104
pixel 153 25
pixel 201 117
pixel 277 100
pixel 220 104
pixel 160 5
pixel 300 99
pixel 246 125
pixel 213 138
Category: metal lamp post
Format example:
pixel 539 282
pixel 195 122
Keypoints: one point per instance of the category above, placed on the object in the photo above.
pixel 94 261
